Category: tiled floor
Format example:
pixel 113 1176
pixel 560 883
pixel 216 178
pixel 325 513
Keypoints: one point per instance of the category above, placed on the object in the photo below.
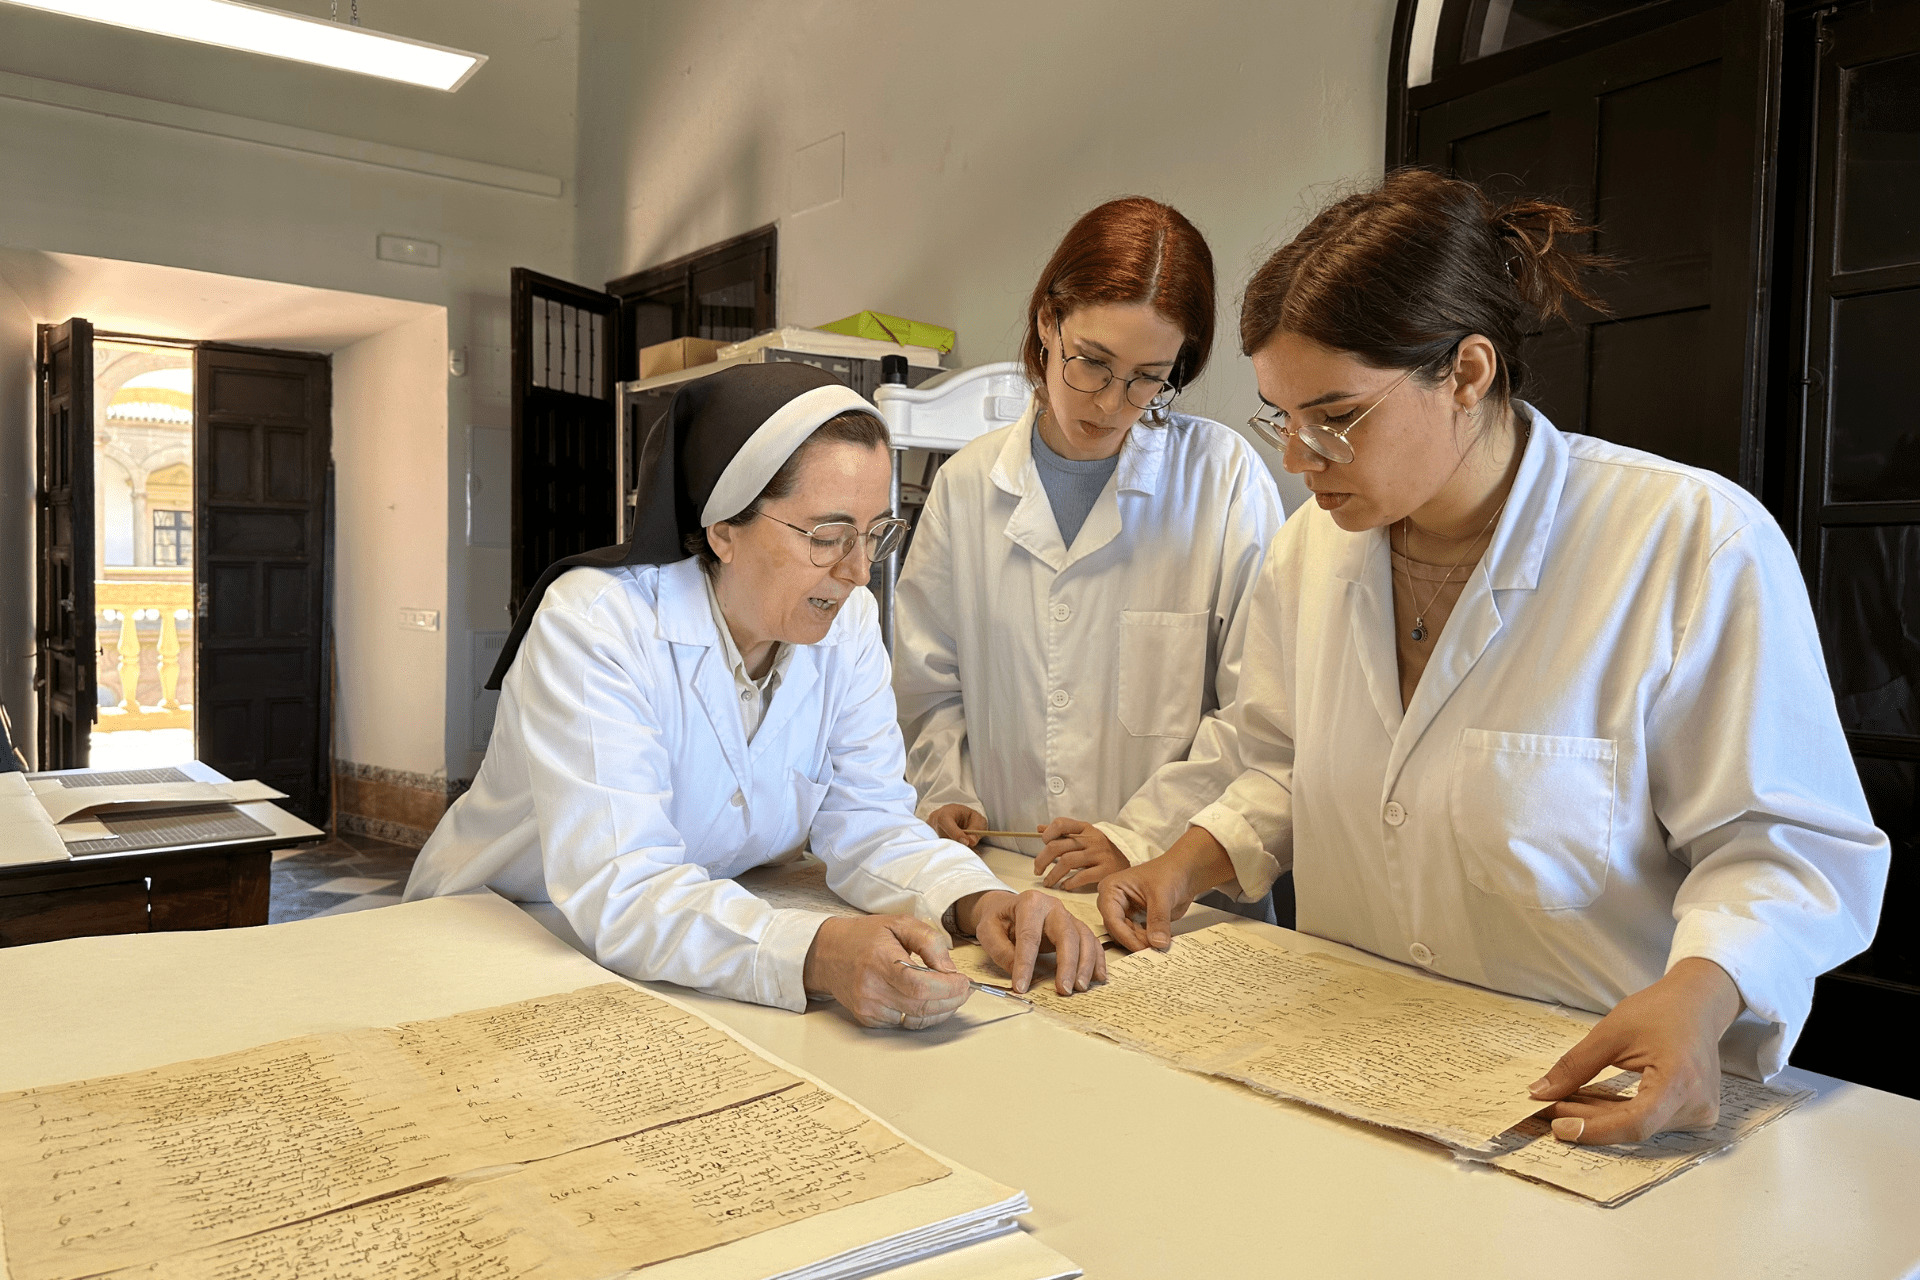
pixel 347 873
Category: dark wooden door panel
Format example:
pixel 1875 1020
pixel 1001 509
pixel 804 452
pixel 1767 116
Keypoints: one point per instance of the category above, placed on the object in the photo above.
pixel 563 339
pixel 264 443
pixel 64 672
pixel 1658 137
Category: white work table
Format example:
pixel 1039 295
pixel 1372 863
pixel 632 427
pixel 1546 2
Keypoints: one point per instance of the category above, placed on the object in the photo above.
pixel 1134 1168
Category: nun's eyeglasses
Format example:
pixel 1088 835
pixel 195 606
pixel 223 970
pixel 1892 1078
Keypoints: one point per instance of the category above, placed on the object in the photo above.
pixel 829 544
pixel 1327 438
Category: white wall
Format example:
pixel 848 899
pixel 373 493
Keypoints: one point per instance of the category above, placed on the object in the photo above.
pixel 390 540
pixel 974 136
pixel 171 185
pixel 16 516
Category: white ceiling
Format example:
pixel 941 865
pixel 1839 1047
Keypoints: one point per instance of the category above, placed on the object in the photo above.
pixel 169 302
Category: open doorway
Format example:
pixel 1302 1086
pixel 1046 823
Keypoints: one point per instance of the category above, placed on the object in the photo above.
pixel 143 521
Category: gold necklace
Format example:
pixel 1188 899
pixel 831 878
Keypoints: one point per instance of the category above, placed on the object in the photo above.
pixel 1419 632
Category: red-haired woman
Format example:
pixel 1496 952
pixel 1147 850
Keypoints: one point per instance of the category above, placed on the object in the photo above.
pixel 1072 611
pixel 1525 708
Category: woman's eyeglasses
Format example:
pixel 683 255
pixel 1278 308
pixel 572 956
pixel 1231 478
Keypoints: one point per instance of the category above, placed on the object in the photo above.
pixel 829 544
pixel 1327 438
pixel 1090 377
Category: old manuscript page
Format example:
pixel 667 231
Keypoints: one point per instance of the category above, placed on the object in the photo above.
pixel 1614 1175
pixel 675 1189
pixel 1411 1053
pixel 126 1169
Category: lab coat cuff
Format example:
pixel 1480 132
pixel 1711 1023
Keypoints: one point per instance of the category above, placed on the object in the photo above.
pixel 780 962
pixel 1253 866
pixel 1777 997
pixel 1135 847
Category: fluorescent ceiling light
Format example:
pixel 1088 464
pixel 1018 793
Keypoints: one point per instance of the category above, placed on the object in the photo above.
pixel 233 25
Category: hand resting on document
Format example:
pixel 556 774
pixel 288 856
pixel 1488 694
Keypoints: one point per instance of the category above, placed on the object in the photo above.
pixel 857 959
pixel 1670 1033
pixel 1162 889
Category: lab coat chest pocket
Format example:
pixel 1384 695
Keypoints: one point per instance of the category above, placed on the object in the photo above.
pixel 1162 672
pixel 1533 815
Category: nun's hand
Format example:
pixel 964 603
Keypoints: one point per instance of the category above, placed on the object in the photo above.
pixel 1078 856
pixel 863 962
pixel 1015 928
pixel 957 822
pixel 1670 1033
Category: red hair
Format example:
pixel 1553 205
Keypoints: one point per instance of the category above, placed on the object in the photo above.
pixel 1128 251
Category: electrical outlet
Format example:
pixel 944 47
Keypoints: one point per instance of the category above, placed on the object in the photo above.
pixel 420 619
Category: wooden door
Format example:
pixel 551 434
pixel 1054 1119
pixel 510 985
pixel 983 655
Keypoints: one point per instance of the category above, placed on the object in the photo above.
pixel 1860 499
pixel 1661 137
pixel 64 671
pixel 563 338
pixel 261 474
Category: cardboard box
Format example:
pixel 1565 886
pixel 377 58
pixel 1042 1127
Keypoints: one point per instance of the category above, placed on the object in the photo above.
pixel 677 354
pixel 886 328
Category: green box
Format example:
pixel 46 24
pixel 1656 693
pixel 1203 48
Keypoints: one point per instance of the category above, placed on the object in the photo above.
pixel 896 329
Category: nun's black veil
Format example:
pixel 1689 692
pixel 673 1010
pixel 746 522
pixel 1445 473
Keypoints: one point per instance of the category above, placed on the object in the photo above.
pixel 681 460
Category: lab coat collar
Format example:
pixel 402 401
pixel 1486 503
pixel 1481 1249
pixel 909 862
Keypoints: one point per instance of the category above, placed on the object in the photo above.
pixel 684 617
pixel 1519 546
pixel 1520 543
pixel 1032 526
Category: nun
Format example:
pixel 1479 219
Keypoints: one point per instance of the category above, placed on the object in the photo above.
pixel 712 696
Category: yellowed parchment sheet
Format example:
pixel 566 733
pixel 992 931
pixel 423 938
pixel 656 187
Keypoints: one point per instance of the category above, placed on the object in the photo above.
pixel 1614 1175
pixel 1412 1053
pixel 676 1189
pixel 126 1169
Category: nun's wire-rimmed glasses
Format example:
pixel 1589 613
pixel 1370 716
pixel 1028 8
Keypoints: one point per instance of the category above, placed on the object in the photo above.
pixel 1325 438
pixel 829 544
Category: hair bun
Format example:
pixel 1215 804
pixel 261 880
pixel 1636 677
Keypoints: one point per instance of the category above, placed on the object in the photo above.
pixel 1534 237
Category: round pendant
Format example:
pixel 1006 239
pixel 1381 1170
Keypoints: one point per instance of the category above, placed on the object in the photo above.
pixel 1419 633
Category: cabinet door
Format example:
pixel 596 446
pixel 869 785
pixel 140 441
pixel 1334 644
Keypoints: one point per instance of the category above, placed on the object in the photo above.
pixel 1658 138
pixel 1860 498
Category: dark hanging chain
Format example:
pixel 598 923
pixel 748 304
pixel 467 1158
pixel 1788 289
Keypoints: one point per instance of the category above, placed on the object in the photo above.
pixel 353 11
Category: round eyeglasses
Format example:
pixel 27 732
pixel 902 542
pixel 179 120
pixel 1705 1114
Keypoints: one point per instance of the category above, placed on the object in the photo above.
pixel 1090 377
pixel 1327 438
pixel 829 544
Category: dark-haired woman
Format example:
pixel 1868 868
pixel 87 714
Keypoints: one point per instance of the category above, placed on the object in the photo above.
pixel 1071 613
pixel 1525 708
pixel 712 696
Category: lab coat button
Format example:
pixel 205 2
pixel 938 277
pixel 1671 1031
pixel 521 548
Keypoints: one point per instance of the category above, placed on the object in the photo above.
pixel 738 800
pixel 746 695
pixel 1056 785
pixel 1421 953
pixel 1060 698
pixel 1396 815
pixel 1061 612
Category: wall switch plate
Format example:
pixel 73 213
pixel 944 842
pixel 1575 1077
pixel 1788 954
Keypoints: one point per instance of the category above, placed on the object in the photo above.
pixel 419 253
pixel 420 619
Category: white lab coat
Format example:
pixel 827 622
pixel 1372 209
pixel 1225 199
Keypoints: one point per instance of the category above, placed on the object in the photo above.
pixel 1623 751
pixel 620 785
pixel 1037 681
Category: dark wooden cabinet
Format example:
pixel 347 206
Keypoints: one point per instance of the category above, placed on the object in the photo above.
pixel 1753 164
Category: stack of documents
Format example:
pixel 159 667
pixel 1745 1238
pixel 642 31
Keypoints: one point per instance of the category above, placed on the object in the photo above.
pixel 566 1137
